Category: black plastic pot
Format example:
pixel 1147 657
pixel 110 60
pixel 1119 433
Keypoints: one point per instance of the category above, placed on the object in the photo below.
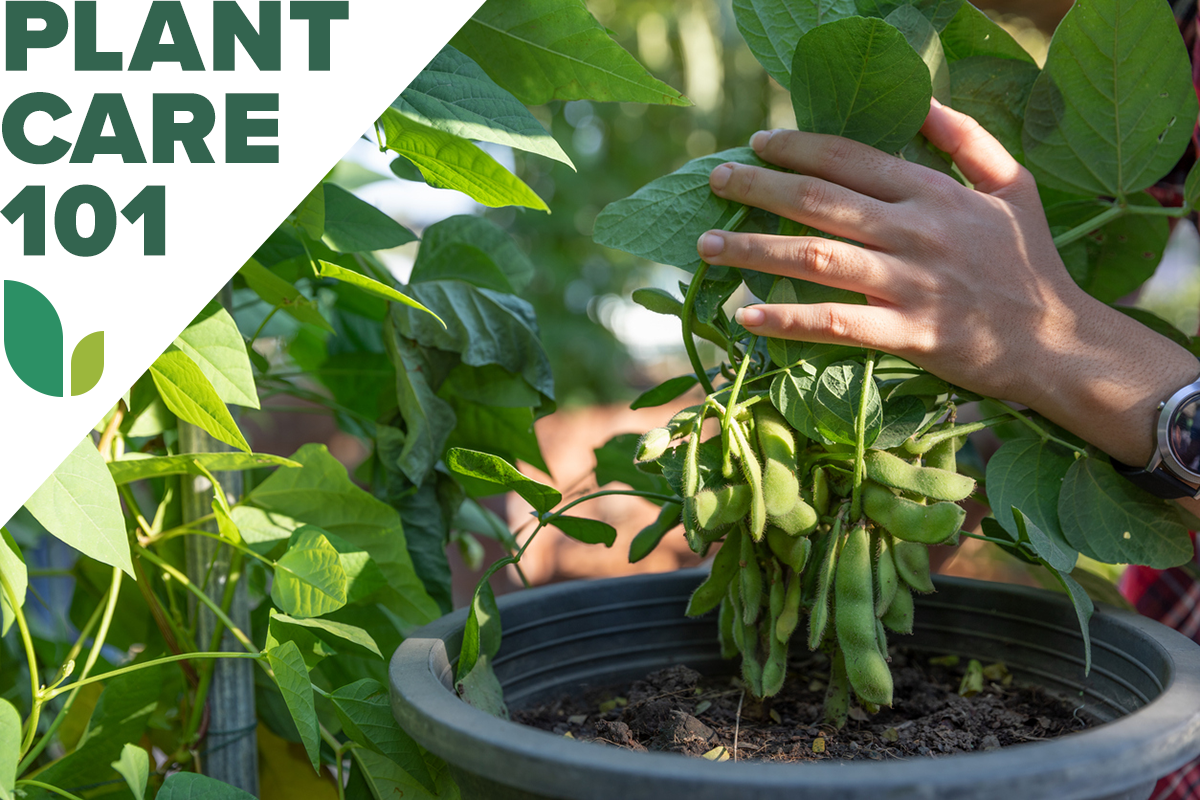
pixel 1144 683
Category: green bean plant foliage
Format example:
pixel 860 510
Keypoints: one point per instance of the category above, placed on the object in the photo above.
pixel 836 467
pixel 105 680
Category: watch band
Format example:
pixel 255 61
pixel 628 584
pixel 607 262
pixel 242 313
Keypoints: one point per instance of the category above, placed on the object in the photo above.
pixel 1158 482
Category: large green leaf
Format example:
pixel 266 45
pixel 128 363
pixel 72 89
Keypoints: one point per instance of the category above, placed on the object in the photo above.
pixel 369 285
pixel 139 467
pixel 860 78
pixel 994 91
pixel 662 220
pixel 194 786
pixel 309 578
pixel 190 396
pixel 923 37
pixel 10 747
pixel 428 512
pixel 78 504
pixel 772 28
pixel 386 780
pixel 506 432
pixel 322 494
pixel 971 33
pixel 355 226
pixel 482 634
pixel 588 531
pixel 938 12
pixel 12 567
pixel 1027 473
pixel 329 629
pixel 428 419
pixel 275 291
pixel 790 393
pixel 366 716
pixel 215 344
pixel 1107 518
pixel 838 398
pixel 1110 114
pixel 496 471
pixel 451 162
pixel 134 767
pixel 292 677
pixel 468 237
pixel 543 50
pixel 455 95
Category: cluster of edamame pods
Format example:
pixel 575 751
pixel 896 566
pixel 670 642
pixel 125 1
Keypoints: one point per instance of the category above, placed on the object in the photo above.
pixel 779 507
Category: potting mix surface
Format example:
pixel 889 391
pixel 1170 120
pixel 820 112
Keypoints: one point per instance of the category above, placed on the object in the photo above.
pixel 678 710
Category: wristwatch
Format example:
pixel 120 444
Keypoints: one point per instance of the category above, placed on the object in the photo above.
pixel 1174 469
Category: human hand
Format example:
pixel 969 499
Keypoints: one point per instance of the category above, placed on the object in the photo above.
pixel 963 282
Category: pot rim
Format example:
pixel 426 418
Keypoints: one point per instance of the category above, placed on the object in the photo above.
pixel 437 719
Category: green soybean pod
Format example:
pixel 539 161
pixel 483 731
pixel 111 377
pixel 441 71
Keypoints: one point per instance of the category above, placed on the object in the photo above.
pixel 909 520
pixel 734 596
pixel 899 615
pixel 886 580
pixel 685 421
pixel 837 693
pixel 752 668
pixel 942 454
pixel 912 565
pixel 718 508
pixel 791 550
pixel 854 619
pixel 725 566
pixel 881 639
pixel 753 473
pixel 781 487
pixel 725 626
pixel 691 485
pixel 750 576
pixel 818 617
pixel 938 484
pixel 800 520
pixel 649 536
pixel 790 617
pixel 775 667
pixel 820 491
pixel 652 445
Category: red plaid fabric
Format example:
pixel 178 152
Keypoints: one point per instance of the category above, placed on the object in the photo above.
pixel 1173 598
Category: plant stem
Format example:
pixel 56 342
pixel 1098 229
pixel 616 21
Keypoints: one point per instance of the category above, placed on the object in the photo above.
pixel 1042 433
pixel 686 316
pixel 146 665
pixel 201 596
pixel 666 498
pixel 48 788
pixel 860 436
pixel 262 325
pixel 727 417
pixel 31 656
pixel 1083 229
pixel 1159 211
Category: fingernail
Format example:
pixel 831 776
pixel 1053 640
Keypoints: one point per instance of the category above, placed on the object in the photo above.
pixel 933 101
pixel 720 177
pixel 710 244
pixel 749 317
pixel 759 140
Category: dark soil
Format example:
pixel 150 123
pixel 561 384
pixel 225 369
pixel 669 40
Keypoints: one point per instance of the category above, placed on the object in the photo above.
pixel 678 710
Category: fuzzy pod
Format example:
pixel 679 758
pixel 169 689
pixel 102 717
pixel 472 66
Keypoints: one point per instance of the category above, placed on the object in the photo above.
pixel 752 668
pixel 789 618
pixel 719 508
pixel 683 423
pixel 886 579
pixel 652 446
pixel 937 484
pixel 738 631
pixel 942 454
pixel 649 536
pixel 751 580
pixel 912 565
pixel 725 626
pixel 854 620
pixel 820 491
pixel 775 666
pixel 818 617
pixel 911 521
pixel 791 550
pixel 899 615
pixel 777 445
pixel 725 566
pixel 837 692
pixel 799 520
pixel 752 471
pixel 881 639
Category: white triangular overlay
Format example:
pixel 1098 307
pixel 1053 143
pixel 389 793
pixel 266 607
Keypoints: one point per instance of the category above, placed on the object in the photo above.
pixel 216 214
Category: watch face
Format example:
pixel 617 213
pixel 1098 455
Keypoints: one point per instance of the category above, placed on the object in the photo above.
pixel 1184 434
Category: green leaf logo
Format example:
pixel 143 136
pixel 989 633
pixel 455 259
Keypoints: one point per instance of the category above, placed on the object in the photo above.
pixel 33 342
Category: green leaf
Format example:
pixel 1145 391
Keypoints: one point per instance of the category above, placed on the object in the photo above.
pixel 497 472
pixel 971 33
pixel 838 396
pixel 662 220
pixel 190 396
pixel 214 343
pixel 462 262
pixel 859 78
pixel 490 385
pixel 313 649
pixel 1109 115
pixel 614 462
pixel 455 95
pixel 78 505
pixel 275 291
pixel 994 91
pixel 1027 473
pixel 329 629
pixel 660 301
pixel 1116 259
pixel 292 677
pixel 938 12
pixel 194 786
pixel 428 419
pixel 1054 556
pixel 1107 518
pixel 588 531
pixel 543 50
pixel 355 226
pixel 451 162
pixel 1191 186
pixel 12 567
pixel 664 393
pixel 772 28
pixel 310 214
pixel 134 767
pixel 385 780
pixel 370 285
pixel 460 237
pixel 10 748
pixel 309 578
pixel 506 432
pixel 480 688
pixel 366 716
pixel 322 494
pixel 139 467
pixel 790 392
pixel 902 417
pixel 923 37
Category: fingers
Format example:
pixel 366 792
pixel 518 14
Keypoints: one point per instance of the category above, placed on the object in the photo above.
pixel 876 327
pixel 811 201
pixel 810 258
pixel 983 160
